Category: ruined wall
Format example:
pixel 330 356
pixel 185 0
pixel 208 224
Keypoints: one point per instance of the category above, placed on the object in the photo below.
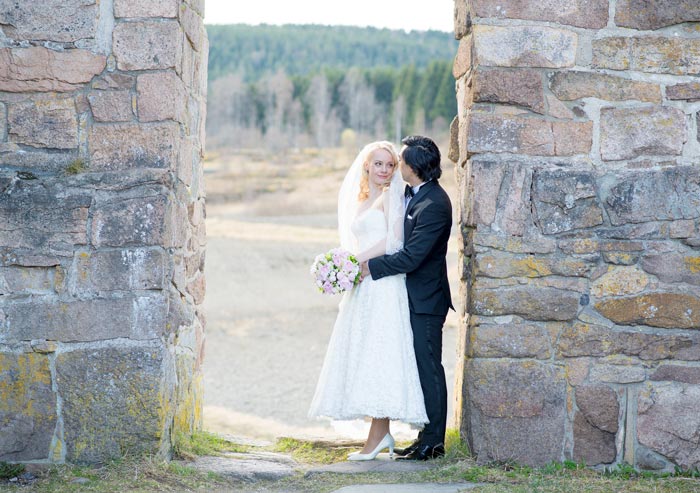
pixel 101 226
pixel 579 162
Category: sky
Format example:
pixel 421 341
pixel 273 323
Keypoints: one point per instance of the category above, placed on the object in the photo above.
pixel 408 15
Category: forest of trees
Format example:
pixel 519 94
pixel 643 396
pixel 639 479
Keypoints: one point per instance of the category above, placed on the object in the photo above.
pixel 285 87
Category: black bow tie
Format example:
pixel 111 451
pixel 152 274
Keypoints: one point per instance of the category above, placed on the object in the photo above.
pixel 409 191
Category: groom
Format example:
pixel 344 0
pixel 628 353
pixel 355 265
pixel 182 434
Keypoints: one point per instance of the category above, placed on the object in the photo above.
pixel 427 225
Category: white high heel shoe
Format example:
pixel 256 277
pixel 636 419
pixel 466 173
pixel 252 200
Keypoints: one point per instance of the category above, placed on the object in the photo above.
pixel 387 442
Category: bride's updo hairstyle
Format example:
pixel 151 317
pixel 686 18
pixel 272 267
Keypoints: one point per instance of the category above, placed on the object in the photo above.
pixel 369 152
pixel 423 156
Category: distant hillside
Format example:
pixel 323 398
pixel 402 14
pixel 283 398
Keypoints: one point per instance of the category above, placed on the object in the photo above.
pixel 305 49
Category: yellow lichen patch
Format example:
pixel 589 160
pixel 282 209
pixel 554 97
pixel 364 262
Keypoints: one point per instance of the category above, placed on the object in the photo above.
pixel 620 281
pixel 692 264
pixel 25 386
pixel 532 267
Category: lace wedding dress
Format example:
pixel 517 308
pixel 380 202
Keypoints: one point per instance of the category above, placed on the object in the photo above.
pixel 370 366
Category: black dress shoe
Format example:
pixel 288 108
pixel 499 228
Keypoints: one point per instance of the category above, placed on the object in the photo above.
pixel 409 449
pixel 425 452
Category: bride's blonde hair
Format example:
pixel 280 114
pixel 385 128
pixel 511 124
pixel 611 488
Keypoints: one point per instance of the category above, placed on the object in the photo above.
pixel 369 151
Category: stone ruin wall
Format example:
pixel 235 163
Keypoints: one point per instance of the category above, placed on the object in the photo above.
pixel 579 167
pixel 102 107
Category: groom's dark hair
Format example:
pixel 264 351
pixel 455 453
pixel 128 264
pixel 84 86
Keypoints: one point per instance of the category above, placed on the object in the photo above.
pixel 423 156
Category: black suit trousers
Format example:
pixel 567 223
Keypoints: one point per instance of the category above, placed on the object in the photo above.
pixel 427 343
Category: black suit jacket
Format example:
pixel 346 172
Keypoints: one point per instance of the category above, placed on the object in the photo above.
pixel 427 226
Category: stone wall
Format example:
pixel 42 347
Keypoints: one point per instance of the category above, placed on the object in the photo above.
pixel 579 168
pixel 101 226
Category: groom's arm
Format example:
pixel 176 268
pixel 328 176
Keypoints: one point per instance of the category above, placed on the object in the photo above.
pixel 430 224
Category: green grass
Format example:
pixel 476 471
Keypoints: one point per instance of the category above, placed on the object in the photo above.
pixel 76 166
pixel 204 443
pixel 145 474
pixel 315 452
pixel 8 471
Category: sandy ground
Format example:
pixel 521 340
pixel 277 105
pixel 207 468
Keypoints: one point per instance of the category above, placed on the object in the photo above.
pixel 268 326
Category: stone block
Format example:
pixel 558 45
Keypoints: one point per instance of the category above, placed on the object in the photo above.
pixel 27 407
pixel 83 320
pixel 57 221
pixel 620 281
pixel 662 55
pixel 513 213
pixel 579 13
pixel 523 135
pixel 667 310
pixel 149 315
pixel 147 45
pixel 462 19
pixel 28 280
pixel 111 106
pixel 502 265
pixel 532 303
pixel 677 373
pixel 599 405
pixel 197 289
pixel 571 85
pixel 689 91
pixel 592 446
pixel 530 244
pixel 463 59
pixel 524 46
pixel 617 373
pixel 3 122
pixel 127 146
pixel 63 21
pixel 50 123
pixel 627 133
pixel 565 200
pixel 130 222
pixel 192 24
pixel 652 195
pixel 119 270
pixel 684 228
pixel 114 80
pixel 38 69
pixel 572 138
pixel 557 109
pixel 507 423
pixel 486 178
pixel 510 340
pixel 593 340
pixel 643 15
pixel 146 8
pixel 668 421
pixel 519 87
pixel 161 96
pixel 114 401
pixel 673 267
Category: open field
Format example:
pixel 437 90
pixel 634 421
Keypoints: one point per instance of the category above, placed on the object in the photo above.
pixel 268 327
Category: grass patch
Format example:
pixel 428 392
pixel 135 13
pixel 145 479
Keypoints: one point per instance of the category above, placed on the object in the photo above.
pixel 201 443
pixel 76 166
pixel 126 474
pixel 8 471
pixel 315 452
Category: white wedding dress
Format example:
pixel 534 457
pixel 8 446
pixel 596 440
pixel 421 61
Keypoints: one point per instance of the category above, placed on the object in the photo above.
pixel 370 366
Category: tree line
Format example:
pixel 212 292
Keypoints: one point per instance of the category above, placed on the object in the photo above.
pixel 371 83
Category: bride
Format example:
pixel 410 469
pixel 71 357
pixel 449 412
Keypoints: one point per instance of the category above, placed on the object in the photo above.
pixel 370 366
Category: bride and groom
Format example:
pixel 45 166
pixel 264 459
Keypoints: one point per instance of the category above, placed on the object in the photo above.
pixel 384 358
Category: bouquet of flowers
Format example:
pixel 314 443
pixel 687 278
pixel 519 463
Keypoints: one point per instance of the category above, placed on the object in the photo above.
pixel 335 271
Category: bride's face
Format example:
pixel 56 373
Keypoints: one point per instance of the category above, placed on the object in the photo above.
pixel 381 167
